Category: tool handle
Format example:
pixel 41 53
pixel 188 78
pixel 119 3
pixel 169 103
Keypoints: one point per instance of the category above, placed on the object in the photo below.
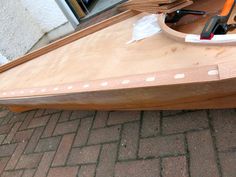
pixel 190 12
pixel 228 7
pixel 218 23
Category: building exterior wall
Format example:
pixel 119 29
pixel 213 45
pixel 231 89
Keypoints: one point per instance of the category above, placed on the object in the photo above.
pixel 18 30
pixel 46 13
pixel 3 59
pixel 25 22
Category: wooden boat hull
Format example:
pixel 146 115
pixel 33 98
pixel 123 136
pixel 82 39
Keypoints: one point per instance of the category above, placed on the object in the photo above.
pixel 131 99
pixel 212 87
pixel 156 73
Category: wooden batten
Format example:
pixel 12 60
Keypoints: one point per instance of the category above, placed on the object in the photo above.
pixel 155 6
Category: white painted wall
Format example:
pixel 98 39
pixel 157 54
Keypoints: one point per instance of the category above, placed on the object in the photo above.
pixel 46 13
pixel 25 22
pixel 3 59
pixel 18 30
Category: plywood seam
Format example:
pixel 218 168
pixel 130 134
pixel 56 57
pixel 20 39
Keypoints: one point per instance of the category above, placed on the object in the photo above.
pixel 180 76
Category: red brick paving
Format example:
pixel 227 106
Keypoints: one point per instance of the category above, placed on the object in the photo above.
pixel 100 119
pixel 129 141
pixel 150 124
pixel 122 117
pixel 45 164
pixel 7 150
pixel 139 168
pixel 63 150
pixel 107 160
pixel 202 154
pixel 85 155
pixel 12 173
pixel 22 136
pixel 161 146
pixel 185 122
pixel 174 167
pixel 48 144
pixel 87 171
pixel 33 142
pixel 29 173
pixel 38 122
pixel 66 127
pixel 16 156
pixel 228 161
pixel 63 172
pixel 118 144
pixel 65 116
pixel 225 129
pixel 51 125
pixel 105 135
pixel 83 132
pixel 29 161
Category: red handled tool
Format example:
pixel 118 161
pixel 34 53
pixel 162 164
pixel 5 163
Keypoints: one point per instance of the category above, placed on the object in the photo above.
pixel 218 24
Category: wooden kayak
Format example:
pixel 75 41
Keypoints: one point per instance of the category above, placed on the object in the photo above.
pixel 96 69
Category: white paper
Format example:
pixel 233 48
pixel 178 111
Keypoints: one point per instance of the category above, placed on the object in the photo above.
pixel 145 27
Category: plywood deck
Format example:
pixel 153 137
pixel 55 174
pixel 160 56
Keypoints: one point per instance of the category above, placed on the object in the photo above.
pixel 105 54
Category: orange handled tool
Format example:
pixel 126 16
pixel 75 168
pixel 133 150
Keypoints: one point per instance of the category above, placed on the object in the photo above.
pixel 218 24
pixel 228 7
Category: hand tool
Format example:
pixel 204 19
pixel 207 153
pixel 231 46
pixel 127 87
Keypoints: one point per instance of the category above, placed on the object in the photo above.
pixel 176 16
pixel 217 25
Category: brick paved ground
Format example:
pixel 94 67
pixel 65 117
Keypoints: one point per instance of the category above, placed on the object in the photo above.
pixel 118 144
